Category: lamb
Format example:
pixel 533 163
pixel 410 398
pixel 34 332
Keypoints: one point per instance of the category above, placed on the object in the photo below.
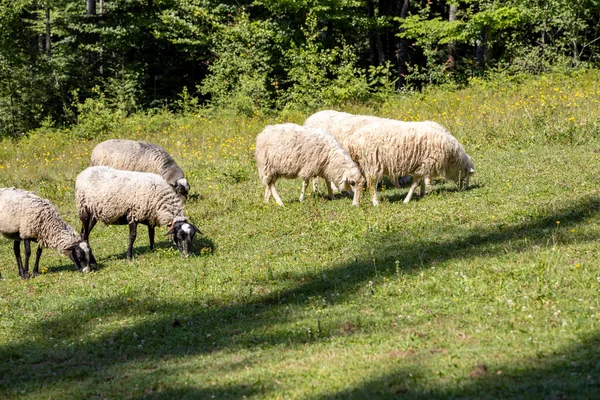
pixel 132 155
pixel 26 217
pixel 291 151
pixel 118 197
pixel 421 149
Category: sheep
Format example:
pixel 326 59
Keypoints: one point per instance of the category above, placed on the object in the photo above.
pixel 342 125
pixel 26 217
pixel 140 156
pixel 291 151
pixel 118 197
pixel 421 149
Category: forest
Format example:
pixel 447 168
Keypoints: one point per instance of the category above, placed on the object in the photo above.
pixel 62 58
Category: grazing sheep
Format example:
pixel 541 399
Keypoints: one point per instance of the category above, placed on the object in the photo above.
pixel 26 217
pixel 420 149
pixel 342 125
pixel 118 197
pixel 132 155
pixel 291 151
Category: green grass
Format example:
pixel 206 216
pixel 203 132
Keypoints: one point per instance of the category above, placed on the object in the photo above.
pixel 485 293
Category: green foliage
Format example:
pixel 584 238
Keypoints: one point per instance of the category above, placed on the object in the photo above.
pixel 319 76
pixel 97 116
pixel 240 75
pixel 256 55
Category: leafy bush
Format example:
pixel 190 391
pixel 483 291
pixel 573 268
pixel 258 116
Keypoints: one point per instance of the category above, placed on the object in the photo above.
pixel 240 74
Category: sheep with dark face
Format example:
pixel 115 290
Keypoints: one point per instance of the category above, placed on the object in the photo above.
pixel 118 197
pixel 26 217
pixel 140 156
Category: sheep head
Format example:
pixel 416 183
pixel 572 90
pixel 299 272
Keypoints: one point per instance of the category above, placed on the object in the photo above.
pixel 183 235
pixel 182 187
pixel 81 255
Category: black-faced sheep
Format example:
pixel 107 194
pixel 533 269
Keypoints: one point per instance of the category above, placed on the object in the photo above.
pixel 118 197
pixel 132 155
pixel 26 217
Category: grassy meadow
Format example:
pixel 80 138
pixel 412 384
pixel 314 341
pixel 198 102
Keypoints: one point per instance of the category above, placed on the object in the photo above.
pixel 489 293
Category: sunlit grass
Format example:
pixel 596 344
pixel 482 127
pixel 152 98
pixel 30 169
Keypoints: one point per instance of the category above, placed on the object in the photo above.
pixel 485 293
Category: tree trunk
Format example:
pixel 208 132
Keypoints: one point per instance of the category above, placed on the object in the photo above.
pixel 101 67
pixel 371 16
pixel 402 53
pixel 452 45
pixel 378 37
pixel 48 31
pixel 482 53
pixel 90 7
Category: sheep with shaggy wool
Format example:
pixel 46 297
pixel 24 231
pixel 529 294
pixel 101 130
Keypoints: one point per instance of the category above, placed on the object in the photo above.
pixel 421 149
pixel 342 125
pixel 118 197
pixel 291 151
pixel 26 217
pixel 141 156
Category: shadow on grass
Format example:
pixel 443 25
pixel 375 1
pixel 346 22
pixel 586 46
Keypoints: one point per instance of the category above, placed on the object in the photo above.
pixel 399 197
pixel 195 327
pixel 573 374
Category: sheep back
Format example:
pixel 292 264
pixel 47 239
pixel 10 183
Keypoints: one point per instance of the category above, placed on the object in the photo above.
pixel 291 151
pixel 115 197
pixel 340 124
pixel 396 148
pixel 139 156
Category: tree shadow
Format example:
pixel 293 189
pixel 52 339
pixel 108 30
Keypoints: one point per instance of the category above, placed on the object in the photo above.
pixel 202 326
pixel 572 374
pixel 431 191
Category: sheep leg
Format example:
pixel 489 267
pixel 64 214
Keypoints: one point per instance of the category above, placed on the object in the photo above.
pixel 275 194
pixel 132 236
pixel 36 266
pixel 151 236
pixel 416 182
pixel 315 182
pixel 267 194
pixel 357 193
pixel 329 189
pixel 304 184
pixel 396 182
pixel 17 250
pixel 422 187
pixel 87 224
pixel 373 190
pixel 27 245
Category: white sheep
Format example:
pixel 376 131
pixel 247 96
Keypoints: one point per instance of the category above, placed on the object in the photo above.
pixel 342 125
pixel 26 217
pixel 291 151
pixel 420 149
pixel 140 156
pixel 118 197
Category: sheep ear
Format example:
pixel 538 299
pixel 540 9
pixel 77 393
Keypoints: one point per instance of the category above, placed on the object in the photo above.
pixel 171 229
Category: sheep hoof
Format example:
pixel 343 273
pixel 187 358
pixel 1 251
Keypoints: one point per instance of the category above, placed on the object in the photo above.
pixel 86 270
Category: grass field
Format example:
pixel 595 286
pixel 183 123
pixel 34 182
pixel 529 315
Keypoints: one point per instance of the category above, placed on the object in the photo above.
pixel 490 293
